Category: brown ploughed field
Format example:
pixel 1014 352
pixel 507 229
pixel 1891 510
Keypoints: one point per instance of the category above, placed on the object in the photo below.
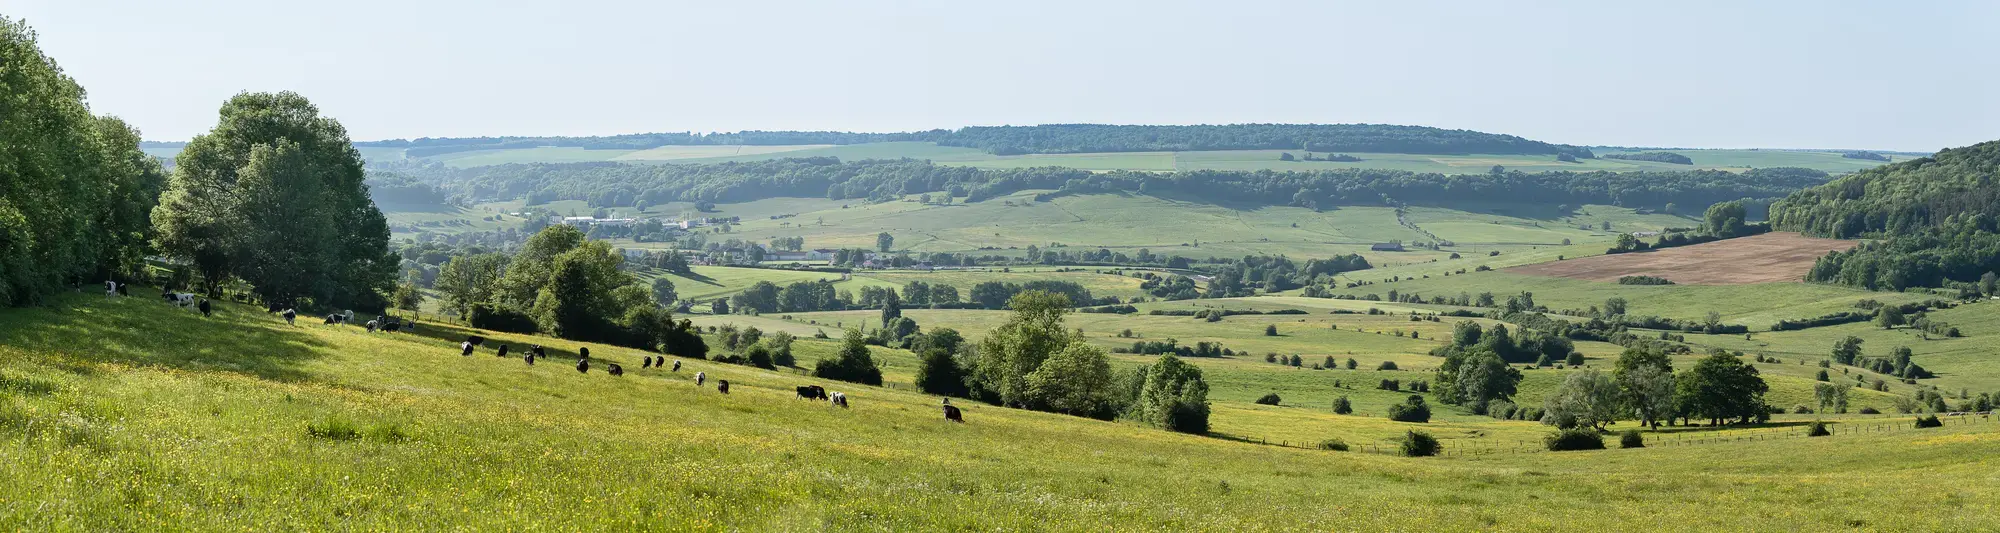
pixel 1767 258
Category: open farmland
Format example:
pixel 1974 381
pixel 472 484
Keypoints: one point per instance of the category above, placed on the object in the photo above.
pixel 465 441
pixel 1767 258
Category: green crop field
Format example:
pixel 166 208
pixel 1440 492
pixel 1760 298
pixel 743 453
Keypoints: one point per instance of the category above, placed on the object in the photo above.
pixel 710 282
pixel 128 414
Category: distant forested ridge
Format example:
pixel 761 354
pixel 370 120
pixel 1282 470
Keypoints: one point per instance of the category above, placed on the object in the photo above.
pixel 619 185
pixel 1657 157
pixel 639 141
pixel 1058 139
pixel 1938 218
pixel 1087 138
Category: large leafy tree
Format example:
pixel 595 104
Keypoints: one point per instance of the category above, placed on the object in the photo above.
pixel 274 195
pixel 1018 347
pixel 582 295
pixel 1646 380
pixel 1172 395
pixel 1719 388
pixel 470 279
pixel 74 189
pixel 1585 399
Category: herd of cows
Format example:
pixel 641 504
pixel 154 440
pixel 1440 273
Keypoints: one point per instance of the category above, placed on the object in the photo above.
pixel 809 392
pixel 471 344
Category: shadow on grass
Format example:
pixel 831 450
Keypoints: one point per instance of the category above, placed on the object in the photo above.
pixel 143 331
pixel 452 334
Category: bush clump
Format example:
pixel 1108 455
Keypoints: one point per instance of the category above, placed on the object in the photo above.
pixel 1870 411
pixel 1574 439
pixel 1631 439
pixel 1386 365
pixel 1411 410
pixel 1817 429
pixel 1420 444
pixel 333 429
pixel 1342 407
pixel 1929 422
pixel 1333 444
pixel 1269 399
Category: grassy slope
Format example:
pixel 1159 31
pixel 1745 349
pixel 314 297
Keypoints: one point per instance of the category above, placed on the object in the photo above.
pixel 127 415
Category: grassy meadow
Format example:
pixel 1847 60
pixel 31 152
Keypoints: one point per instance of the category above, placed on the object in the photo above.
pixel 128 414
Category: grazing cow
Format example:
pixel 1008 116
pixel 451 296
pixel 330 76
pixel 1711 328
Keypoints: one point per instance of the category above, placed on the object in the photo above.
pixel 465 348
pixel 699 377
pixel 839 399
pixel 616 371
pixel 111 289
pixel 503 351
pixel 290 315
pixel 722 386
pixel 677 366
pixel 812 392
pixel 476 340
pixel 583 366
pixel 952 414
pixel 372 324
pixel 204 307
pixel 583 352
pixel 331 320
pixel 538 351
pixel 530 358
pixel 392 326
pixel 646 362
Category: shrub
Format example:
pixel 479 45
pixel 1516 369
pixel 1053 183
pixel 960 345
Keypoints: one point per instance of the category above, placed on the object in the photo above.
pixel 1342 407
pixel 1801 409
pixel 1929 422
pixel 1574 439
pixel 759 357
pixel 1390 385
pixel 1386 365
pixel 1333 444
pixel 1817 429
pixel 333 429
pixel 1411 410
pixel 1420 444
pixel 1574 359
pixel 1631 439
pixel 500 318
pixel 1269 399
pixel 1271 330
pixel 1870 411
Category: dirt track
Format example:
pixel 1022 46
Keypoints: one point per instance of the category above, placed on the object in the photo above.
pixel 1767 258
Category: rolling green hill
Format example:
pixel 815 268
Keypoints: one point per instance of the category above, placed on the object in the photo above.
pixel 327 426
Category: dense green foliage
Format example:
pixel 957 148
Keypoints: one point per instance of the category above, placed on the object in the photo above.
pixel 1657 157
pixel 1939 217
pixel 1058 138
pixel 1577 438
pixel 274 195
pixel 854 363
pixel 1088 138
pixel 614 184
pixel 75 190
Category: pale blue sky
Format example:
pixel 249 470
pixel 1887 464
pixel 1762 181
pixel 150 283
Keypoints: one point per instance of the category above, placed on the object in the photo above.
pixel 1883 75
